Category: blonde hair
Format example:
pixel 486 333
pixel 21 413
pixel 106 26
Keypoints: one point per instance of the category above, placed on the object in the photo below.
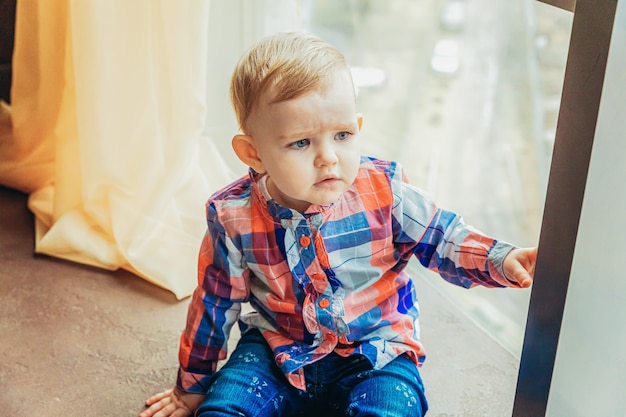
pixel 291 64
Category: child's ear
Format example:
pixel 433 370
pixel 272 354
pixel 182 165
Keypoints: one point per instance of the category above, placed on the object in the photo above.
pixel 246 151
pixel 359 120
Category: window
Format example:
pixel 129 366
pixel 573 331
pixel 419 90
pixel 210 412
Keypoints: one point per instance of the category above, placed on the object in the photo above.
pixel 467 101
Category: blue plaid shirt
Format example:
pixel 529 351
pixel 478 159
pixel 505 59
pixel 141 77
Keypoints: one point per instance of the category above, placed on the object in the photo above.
pixel 329 279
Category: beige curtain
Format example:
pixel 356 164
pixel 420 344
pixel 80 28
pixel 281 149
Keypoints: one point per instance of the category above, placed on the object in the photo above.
pixel 105 129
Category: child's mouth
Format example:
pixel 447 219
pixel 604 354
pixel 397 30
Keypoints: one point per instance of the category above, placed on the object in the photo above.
pixel 327 182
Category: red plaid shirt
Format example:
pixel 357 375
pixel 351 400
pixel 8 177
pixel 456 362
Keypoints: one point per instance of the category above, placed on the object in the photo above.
pixel 329 279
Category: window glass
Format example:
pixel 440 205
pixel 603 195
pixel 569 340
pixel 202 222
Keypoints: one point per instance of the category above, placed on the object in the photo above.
pixel 465 94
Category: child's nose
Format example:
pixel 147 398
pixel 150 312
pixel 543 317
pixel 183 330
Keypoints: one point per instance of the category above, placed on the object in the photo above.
pixel 326 155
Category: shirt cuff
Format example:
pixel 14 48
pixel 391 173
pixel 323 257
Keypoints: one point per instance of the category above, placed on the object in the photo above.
pixel 496 257
pixel 193 383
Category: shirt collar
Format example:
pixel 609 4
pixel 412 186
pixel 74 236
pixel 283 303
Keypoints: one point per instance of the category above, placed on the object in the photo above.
pixel 259 185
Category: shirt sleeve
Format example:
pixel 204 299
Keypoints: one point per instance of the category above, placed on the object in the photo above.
pixel 223 284
pixel 442 242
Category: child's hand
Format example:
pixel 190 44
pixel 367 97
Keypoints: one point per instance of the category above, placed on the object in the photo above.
pixel 519 266
pixel 172 403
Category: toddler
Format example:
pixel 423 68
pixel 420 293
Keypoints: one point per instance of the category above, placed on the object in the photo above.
pixel 317 238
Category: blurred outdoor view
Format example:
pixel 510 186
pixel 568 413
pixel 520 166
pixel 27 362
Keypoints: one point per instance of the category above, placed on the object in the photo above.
pixel 465 93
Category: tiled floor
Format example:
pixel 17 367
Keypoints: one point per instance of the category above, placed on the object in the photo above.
pixel 78 341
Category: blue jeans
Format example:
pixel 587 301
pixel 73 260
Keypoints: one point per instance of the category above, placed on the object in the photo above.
pixel 250 384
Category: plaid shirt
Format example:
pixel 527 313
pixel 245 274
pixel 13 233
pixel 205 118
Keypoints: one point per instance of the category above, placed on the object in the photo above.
pixel 329 279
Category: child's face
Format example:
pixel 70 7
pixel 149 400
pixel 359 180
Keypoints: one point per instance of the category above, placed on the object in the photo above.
pixel 309 146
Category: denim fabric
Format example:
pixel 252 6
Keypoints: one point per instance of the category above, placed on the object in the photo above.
pixel 250 384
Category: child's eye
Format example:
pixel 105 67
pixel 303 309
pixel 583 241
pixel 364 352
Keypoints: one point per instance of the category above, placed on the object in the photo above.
pixel 342 135
pixel 302 143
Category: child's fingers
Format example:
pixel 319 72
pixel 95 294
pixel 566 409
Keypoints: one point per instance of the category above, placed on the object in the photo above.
pixel 519 266
pixel 525 282
pixel 161 406
pixel 158 397
pixel 521 276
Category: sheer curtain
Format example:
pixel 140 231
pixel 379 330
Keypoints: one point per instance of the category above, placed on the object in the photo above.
pixel 108 110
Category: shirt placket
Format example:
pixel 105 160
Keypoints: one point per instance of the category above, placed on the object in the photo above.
pixel 320 305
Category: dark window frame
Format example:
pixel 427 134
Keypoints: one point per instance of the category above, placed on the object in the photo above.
pixel 582 89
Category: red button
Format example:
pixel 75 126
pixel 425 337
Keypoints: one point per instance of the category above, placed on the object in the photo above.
pixel 318 277
pixel 305 241
pixel 324 303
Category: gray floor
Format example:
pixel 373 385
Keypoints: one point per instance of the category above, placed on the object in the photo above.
pixel 79 341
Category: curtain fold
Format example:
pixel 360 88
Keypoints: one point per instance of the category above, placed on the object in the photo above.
pixel 108 107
